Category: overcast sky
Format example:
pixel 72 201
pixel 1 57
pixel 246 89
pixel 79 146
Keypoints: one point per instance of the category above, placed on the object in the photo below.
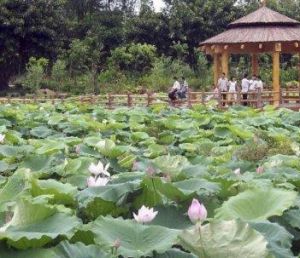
pixel 158 4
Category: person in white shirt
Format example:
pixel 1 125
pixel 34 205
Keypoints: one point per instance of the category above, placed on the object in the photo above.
pixel 259 84
pixel 184 87
pixel 245 88
pixel 232 90
pixel 223 86
pixel 174 90
pixel 252 90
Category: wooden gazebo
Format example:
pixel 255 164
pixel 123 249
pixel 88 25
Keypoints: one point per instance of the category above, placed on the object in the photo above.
pixel 263 31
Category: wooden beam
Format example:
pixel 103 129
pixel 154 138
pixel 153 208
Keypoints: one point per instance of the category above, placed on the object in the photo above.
pixel 255 64
pixel 276 76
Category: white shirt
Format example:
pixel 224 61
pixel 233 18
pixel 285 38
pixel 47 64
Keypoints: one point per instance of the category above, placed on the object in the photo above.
pixel 260 85
pixel 253 85
pixel 222 84
pixel 245 85
pixel 232 86
pixel 176 85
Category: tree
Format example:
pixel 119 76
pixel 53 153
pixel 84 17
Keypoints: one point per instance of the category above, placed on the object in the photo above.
pixel 28 28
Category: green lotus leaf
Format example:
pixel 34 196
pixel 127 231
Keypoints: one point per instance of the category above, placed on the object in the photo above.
pixel 13 188
pixel 50 147
pixel 171 164
pixel 175 253
pixel 279 239
pixel 63 250
pixel 41 132
pixel 257 204
pixel 220 239
pixel 105 147
pixel 35 223
pixel 136 240
pixel 199 186
pixel 62 193
pixel 139 136
pixel 98 201
pixel 155 150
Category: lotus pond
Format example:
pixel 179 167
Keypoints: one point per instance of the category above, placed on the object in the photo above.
pixel 239 168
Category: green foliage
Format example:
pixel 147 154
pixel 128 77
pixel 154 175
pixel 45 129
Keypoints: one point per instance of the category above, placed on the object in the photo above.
pixel 35 73
pixel 159 157
pixel 133 58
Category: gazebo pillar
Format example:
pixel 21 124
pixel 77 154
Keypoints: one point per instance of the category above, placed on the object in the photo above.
pixel 255 65
pixel 225 61
pixel 276 74
pixel 216 68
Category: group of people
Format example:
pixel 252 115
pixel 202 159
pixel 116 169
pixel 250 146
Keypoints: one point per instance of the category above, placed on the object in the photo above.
pixel 248 88
pixel 179 89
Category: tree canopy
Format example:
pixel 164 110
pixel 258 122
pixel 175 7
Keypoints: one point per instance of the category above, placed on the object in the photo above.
pixel 86 35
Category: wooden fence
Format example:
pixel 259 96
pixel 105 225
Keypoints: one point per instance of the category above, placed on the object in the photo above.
pixel 287 98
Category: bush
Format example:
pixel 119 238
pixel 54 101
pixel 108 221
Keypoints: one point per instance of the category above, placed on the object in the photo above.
pixel 35 73
pixel 133 58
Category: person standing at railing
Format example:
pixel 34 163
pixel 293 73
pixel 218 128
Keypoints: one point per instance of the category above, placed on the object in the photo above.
pixel 259 84
pixel 253 90
pixel 223 87
pixel 245 89
pixel 173 92
pixel 184 87
pixel 232 91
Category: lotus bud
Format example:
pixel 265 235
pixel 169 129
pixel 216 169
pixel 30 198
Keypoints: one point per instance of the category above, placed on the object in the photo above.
pixel 2 137
pixel 117 244
pixel 145 215
pixel 77 149
pixel 197 212
pixel 260 170
pixel 237 172
pixel 150 171
pixel 135 166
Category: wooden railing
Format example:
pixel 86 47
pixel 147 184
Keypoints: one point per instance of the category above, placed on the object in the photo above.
pixel 286 98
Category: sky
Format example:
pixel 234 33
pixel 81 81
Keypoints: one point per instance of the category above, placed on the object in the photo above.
pixel 158 4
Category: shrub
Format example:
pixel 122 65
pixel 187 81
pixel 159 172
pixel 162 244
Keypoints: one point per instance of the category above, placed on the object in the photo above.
pixel 35 73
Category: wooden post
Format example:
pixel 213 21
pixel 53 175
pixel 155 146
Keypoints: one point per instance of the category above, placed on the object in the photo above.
pixel 238 96
pixel 276 74
pixel 225 61
pixel 255 65
pixel 298 102
pixel 259 99
pixel 129 100
pixel 148 99
pixel 189 98
pixel 216 69
pixel 110 101
pixel 203 97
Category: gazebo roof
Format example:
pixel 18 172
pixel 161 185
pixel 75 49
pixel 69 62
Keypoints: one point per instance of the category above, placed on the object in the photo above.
pixel 263 16
pixel 263 25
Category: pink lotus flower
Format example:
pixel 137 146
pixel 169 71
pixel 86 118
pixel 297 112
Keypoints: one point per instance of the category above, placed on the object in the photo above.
pixel 2 137
pixel 135 166
pixel 237 172
pixel 99 169
pixel 260 170
pixel 97 182
pixel 197 211
pixel 145 215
